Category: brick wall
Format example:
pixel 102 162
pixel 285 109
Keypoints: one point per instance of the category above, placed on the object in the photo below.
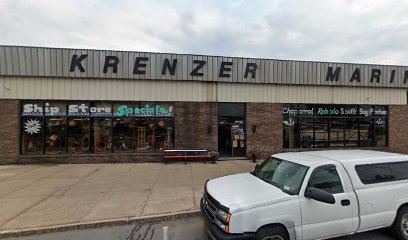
pixel 9 146
pixel 196 125
pixel 268 138
pixel 398 129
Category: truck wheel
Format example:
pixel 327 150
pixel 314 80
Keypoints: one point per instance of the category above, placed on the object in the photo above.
pixel 272 233
pixel 400 227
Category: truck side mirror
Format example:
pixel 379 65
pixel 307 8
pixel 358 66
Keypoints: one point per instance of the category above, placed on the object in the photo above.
pixel 320 195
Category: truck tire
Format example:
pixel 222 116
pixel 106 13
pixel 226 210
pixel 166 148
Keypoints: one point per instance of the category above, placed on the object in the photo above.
pixel 272 233
pixel 400 226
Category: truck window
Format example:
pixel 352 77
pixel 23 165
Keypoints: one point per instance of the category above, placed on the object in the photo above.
pixel 374 173
pixel 382 172
pixel 326 179
pixel 399 170
pixel 285 175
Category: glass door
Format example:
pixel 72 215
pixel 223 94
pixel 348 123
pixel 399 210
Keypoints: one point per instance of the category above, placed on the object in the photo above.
pixel 231 130
pixel 238 140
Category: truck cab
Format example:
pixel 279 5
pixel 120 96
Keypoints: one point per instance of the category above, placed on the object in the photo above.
pixel 309 195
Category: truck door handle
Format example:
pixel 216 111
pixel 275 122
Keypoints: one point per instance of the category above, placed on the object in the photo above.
pixel 345 202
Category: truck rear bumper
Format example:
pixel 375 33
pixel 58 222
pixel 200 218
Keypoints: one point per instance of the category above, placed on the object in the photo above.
pixel 214 233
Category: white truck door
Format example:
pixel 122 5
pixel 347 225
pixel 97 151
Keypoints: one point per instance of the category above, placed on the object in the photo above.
pixel 323 220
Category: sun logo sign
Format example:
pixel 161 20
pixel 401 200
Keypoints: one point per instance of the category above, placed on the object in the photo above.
pixel 32 126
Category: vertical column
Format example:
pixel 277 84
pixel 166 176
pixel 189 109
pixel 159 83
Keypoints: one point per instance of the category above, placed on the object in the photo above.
pixel 196 125
pixel 9 131
pixel 397 130
pixel 268 137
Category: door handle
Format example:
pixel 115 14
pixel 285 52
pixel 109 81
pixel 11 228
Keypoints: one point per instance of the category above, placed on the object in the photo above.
pixel 345 202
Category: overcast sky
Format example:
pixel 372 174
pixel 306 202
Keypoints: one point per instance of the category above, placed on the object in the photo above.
pixel 363 31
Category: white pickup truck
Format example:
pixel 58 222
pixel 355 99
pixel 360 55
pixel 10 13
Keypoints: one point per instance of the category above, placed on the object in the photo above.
pixel 310 195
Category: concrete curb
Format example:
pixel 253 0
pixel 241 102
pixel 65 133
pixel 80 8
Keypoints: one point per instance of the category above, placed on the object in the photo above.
pixel 98 224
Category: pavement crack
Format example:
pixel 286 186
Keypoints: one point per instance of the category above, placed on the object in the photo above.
pixel 150 193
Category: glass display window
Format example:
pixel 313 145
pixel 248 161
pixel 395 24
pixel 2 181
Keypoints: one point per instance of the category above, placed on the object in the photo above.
pixel 306 134
pixel 102 135
pixel 144 134
pixel 321 132
pixel 380 132
pixel 290 132
pixel 164 134
pixel 55 135
pixel 78 135
pixel 336 125
pixel 366 132
pixel 83 127
pixel 32 135
pixel 123 134
pixel 351 132
pixel 337 132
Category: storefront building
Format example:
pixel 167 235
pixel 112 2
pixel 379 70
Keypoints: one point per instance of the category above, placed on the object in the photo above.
pixel 85 106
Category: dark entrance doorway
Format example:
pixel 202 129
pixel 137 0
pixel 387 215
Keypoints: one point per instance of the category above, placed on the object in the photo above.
pixel 231 130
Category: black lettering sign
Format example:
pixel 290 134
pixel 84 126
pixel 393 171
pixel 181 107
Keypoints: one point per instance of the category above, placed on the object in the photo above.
pixel 225 67
pixel 76 62
pixel 375 74
pixel 139 64
pixel 250 68
pixel 405 77
pixel 167 65
pixel 195 72
pixel 333 76
pixel 111 61
pixel 392 76
pixel 356 75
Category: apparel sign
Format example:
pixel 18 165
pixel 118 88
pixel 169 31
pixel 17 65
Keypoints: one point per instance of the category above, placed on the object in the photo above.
pixel 292 111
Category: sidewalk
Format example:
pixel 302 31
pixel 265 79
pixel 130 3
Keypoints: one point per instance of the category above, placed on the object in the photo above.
pixel 41 196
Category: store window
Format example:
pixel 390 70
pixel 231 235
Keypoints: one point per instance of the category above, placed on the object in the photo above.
pixel 102 132
pixel 324 126
pixel 144 134
pixel 55 135
pixel 32 135
pixel 123 135
pixel 101 127
pixel 78 135
pixel 164 134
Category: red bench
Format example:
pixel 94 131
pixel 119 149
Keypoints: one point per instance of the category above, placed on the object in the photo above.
pixel 185 154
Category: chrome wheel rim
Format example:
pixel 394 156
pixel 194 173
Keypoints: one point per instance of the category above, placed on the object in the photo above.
pixel 275 237
pixel 404 225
